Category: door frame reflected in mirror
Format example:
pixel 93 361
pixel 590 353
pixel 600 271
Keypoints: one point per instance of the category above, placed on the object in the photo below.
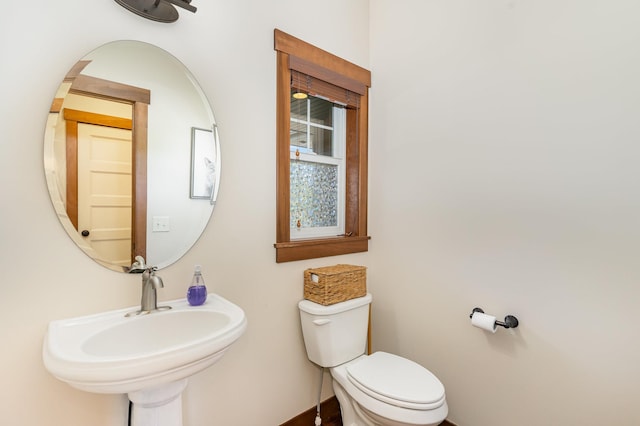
pixel 139 99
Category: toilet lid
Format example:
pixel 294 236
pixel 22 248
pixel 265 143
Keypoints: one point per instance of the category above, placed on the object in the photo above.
pixel 397 380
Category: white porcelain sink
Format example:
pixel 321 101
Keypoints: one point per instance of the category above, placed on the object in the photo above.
pixel 142 355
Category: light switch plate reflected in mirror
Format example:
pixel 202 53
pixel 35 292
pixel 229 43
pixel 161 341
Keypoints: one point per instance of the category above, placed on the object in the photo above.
pixel 161 224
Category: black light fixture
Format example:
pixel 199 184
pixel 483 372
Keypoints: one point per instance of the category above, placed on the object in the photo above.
pixel 157 10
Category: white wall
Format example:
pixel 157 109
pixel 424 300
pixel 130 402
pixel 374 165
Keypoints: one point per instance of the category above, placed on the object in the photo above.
pixel 504 158
pixel 265 379
pixel 504 177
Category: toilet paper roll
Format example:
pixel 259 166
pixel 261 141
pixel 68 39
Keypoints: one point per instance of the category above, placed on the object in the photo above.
pixel 484 321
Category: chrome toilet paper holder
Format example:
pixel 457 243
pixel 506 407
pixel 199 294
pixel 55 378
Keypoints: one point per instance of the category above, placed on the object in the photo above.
pixel 509 321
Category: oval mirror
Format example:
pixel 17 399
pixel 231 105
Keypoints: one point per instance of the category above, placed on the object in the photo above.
pixel 131 156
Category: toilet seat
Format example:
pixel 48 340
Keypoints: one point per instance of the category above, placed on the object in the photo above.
pixel 397 381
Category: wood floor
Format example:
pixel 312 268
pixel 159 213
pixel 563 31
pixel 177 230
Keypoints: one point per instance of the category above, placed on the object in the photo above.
pixel 330 413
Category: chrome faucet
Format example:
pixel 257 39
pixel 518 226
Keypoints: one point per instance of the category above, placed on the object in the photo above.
pixel 149 300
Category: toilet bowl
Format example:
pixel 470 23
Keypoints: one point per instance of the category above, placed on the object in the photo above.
pixel 376 389
pixel 385 389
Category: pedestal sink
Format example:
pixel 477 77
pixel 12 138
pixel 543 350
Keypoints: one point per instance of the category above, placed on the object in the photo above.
pixel 148 357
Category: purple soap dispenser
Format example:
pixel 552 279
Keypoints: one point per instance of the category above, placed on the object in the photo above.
pixel 197 292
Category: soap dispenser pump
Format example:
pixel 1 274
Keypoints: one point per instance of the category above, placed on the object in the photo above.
pixel 197 292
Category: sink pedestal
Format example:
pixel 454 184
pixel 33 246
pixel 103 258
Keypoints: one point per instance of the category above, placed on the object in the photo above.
pixel 158 406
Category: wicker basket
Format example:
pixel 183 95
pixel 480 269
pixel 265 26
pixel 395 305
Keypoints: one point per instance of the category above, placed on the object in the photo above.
pixel 334 284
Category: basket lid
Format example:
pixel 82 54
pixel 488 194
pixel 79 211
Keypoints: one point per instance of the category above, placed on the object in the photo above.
pixel 335 269
pixel 317 309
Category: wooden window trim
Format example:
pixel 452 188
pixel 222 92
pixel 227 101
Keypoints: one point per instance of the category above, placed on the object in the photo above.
pixel 293 53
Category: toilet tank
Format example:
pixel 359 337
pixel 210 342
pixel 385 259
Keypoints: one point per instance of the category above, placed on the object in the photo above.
pixel 337 333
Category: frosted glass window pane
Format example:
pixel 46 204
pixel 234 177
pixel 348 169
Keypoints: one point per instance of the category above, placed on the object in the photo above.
pixel 314 194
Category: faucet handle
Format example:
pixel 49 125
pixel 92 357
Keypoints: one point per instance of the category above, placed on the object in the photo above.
pixel 138 266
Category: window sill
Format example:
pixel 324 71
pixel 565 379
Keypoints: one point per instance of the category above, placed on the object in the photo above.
pixel 320 247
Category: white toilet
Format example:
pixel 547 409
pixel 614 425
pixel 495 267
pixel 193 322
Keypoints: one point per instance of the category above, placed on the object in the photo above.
pixel 376 389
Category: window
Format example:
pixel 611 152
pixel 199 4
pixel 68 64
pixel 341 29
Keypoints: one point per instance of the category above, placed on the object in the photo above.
pixel 321 152
pixel 317 151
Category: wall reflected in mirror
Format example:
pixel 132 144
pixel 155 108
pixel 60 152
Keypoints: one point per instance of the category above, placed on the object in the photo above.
pixel 119 159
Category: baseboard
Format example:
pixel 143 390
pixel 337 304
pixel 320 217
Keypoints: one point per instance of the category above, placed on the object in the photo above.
pixel 330 413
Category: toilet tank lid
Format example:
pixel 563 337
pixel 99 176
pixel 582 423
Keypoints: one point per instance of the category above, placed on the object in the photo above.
pixel 318 309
